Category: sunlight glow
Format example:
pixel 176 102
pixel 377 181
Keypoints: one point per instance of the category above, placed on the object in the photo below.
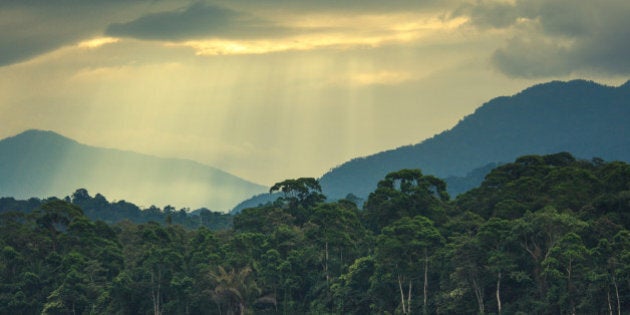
pixel 325 32
pixel 97 42
pixel 380 78
pixel 255 47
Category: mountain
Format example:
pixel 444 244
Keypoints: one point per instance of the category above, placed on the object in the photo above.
pixel 43 163
pixel 581 117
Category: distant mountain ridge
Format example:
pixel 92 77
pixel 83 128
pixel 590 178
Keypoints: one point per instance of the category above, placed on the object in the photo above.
pixel 581 117
pixel 39 163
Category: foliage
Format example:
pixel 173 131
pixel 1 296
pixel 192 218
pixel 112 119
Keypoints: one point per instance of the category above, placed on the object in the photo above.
pixel 98 208
pixel 543 235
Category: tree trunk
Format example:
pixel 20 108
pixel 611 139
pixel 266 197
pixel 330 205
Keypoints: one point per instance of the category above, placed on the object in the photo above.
pixel 617 295
pixel 536 253
pixel 275 299
pixel 498 293
pixel 409 299
pixel 402 295
pixel 609 303
pixel 570 286
pixel 155 294
pixel 479 295
pixel 426 282
pixel 326 266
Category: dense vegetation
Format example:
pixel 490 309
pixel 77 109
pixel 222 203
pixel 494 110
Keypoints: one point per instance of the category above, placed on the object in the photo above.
pixel 543 235
pixel 98 208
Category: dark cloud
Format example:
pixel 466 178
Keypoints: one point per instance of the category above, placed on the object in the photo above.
pixel 14 49
pixel 568 18
pixel 489 15
pixel 558 37
pixel 532 57
pixel 26 32
pixel 33 27
pixel 196 21
pixel 606 52
pixel 29 28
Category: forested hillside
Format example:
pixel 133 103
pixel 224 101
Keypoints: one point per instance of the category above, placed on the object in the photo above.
pixel 542 235
pixel 581 117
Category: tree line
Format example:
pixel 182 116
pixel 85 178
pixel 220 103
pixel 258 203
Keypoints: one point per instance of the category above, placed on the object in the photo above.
pixel 542 235
pixel 98 208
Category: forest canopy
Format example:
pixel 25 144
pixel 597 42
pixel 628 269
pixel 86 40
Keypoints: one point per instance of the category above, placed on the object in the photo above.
pixel 542 235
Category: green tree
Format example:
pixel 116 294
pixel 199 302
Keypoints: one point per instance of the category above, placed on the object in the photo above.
pixel 404 248
pixel 406 193
pixel 339 227
pixel 234 289
pixel 54 217
pixel 564 266
pixel 335 232
pixel 304 192
pixel 351 289
pixel 538 233
pixel 69 298
pixel 468 260
pixel 262 219
pixel 609 271
pixel 494 237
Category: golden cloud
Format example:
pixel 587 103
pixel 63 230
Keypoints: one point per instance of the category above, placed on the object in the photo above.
pixel 327 32
pixel 97 42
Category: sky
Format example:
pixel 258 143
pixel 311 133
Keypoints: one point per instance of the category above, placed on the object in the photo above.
pixel 275 89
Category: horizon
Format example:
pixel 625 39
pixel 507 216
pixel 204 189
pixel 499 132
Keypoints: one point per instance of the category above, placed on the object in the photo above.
pixel 274 90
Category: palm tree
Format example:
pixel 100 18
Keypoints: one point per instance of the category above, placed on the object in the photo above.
pixel 233 289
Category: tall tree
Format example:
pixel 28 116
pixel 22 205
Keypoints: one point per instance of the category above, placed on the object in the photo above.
pixel 406 193
pixel 299 196
pixel 404 248
pixel 538 233
pixel 494 238
pixel 234 289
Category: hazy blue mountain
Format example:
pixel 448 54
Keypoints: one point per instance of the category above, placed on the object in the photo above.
pixel 255 201
pixel 581 117
pixel 455 186
pixel 42 164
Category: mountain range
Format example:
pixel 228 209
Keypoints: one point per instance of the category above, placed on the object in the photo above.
pixel 43 163
pixel 581 117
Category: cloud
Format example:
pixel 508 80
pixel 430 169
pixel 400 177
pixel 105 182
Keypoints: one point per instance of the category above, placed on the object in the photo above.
pixel 14 49
pixel 97 42
pixel 328 31
pixel 31 28
pixel 489 14
pixel 557 37
pixel 347 6
pixel 533 57
pixel 195 22
pixel 28 33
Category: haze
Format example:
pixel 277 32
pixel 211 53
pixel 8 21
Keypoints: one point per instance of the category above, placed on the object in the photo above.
pixel 271 89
